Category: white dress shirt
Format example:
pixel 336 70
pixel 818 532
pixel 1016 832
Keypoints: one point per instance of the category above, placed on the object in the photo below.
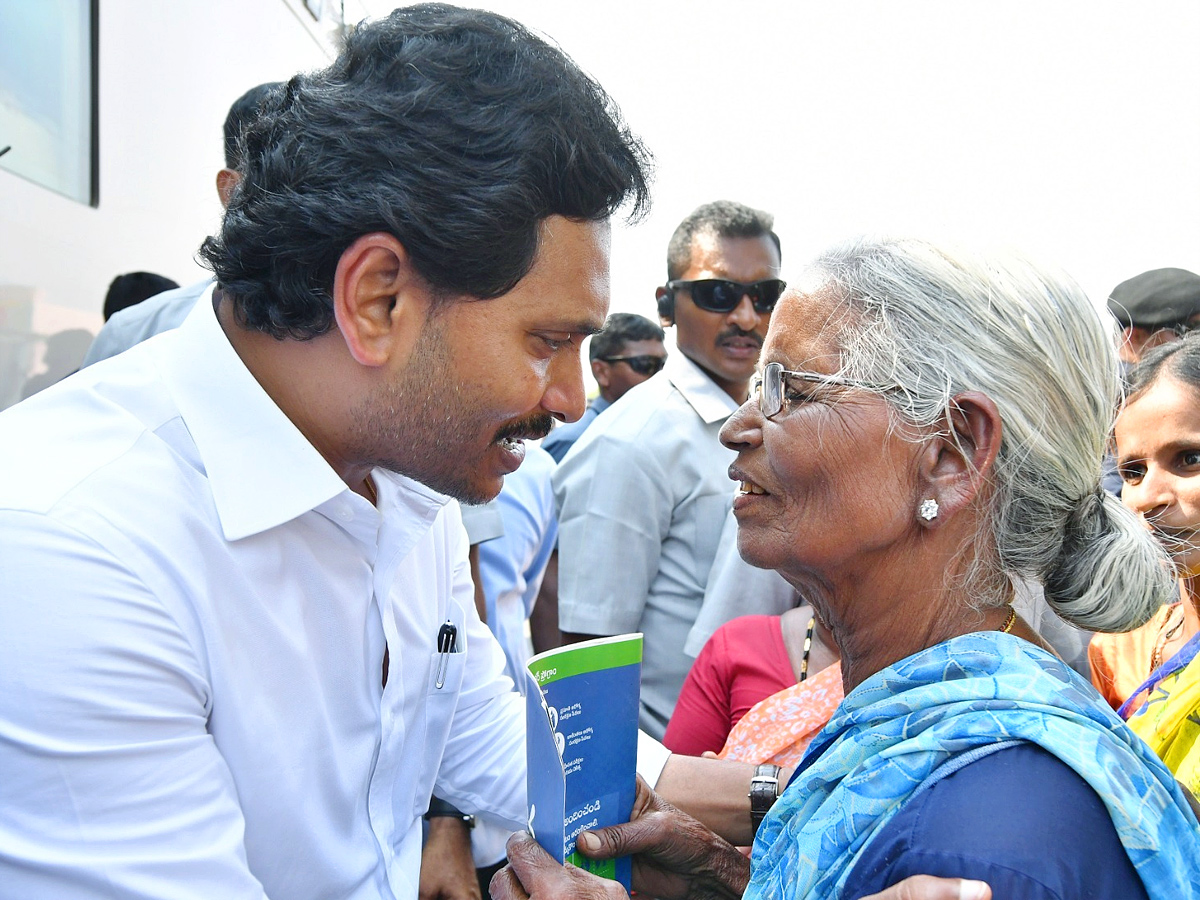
pixel 193 616
pixel 642 497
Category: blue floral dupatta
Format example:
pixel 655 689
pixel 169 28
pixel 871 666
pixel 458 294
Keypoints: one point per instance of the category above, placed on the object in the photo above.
pixel 925 716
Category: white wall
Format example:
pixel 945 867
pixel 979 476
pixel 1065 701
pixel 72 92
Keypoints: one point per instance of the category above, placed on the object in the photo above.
pixel 168 74
pixel 1068 129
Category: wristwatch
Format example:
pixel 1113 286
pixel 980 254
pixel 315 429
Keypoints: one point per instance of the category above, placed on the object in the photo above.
pixel 440 809
pixel 764 791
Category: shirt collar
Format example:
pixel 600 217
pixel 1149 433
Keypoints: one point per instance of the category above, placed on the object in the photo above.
pixel 708 400
pixel 599 404
pixel 261 470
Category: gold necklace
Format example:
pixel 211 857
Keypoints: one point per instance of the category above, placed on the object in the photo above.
pixel 1165 635
pixel 371 494
pixel 1007 627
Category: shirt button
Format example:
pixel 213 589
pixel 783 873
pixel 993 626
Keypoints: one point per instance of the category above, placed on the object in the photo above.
pixel 345 513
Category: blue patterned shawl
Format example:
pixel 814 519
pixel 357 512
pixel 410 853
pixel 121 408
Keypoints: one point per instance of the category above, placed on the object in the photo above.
pixel 938 708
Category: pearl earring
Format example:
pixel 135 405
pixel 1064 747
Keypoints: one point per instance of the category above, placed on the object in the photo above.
pixel 928 509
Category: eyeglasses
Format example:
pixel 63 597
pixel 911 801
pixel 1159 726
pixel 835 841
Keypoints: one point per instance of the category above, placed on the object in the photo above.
pixel 643 365
pixel 768 386
pixel 721 295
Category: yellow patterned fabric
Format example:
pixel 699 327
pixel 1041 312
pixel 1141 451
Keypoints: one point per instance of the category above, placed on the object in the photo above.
pixel 1169 720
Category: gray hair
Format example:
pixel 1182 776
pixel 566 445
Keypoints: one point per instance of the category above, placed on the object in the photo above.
pixel 934 323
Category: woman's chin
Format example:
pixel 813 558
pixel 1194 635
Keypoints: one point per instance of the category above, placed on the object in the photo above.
pixel 753 552
pixel 759 551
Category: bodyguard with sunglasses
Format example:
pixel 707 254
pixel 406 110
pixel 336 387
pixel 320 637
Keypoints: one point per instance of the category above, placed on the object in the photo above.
pixel 643 495
pixel 624 354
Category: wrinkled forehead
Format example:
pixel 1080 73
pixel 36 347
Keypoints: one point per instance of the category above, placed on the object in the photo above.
pixel 808 329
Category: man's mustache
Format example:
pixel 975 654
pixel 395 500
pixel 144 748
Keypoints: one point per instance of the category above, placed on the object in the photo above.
pixel 734 332
pixel 532 429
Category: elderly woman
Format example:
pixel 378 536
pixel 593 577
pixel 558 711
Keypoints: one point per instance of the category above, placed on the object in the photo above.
pixel 929 427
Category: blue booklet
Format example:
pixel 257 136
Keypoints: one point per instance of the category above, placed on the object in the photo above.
pixel 582 731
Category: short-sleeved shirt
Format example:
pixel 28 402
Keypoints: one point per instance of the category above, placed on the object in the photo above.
pixel 736 588
pixel 564 436
pixel 642 498
pixel 483 521
pixel 130 326
pixel 512 565
pixel 1020 819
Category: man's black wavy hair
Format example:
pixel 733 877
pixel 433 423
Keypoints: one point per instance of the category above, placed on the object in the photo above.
pixel 455 130
pixel 243 111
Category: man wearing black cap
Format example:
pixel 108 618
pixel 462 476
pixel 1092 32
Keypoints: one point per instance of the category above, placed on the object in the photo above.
pixel 1153 308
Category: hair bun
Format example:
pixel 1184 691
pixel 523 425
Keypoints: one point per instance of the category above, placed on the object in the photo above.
pixel 1106 553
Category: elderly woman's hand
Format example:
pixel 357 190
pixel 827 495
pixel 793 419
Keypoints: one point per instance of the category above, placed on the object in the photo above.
pixel 533 874
pixel 674 856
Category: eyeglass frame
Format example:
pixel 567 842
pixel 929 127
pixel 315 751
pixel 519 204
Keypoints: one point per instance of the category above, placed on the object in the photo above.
pixel 628 360
pixel 760 381
pixel 752 289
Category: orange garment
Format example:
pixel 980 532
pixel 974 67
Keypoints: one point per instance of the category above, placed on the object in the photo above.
pixel 1121 662
pixel 779 728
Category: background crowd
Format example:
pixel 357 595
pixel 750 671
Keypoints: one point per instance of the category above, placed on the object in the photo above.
pixel 878 489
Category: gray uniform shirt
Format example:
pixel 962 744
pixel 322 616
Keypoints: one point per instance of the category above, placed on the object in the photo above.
pixel 642 498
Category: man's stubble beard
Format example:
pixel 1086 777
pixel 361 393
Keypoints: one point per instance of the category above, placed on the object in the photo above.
pixel 422 425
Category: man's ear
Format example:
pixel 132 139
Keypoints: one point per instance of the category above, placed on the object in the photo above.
pixel 666 307
pixel 600 371
pixel 380 302
pixel 227 180
pixel 956 465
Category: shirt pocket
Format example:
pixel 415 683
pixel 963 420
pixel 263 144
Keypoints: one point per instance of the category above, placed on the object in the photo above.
pixel 446 669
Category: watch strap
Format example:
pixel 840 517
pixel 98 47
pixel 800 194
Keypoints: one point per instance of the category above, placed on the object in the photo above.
pixel 764 791
pixel 440 809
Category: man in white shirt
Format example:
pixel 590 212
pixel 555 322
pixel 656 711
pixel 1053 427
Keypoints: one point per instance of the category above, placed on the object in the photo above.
pixel 644 493
pixel 239 643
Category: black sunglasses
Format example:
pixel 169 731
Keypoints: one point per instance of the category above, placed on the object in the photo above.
pixel 643 365
pixel 721 295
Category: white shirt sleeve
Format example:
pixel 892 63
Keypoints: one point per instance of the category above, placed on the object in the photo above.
pixel 651 758
pixel 111 785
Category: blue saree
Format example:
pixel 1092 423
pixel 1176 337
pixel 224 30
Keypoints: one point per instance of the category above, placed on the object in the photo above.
pixel 910 724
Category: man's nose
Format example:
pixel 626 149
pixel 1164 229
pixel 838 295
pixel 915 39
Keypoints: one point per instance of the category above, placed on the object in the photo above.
pixel 564 397
pixel 744 315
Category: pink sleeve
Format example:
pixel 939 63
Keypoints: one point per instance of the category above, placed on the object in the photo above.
pixel 701 718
